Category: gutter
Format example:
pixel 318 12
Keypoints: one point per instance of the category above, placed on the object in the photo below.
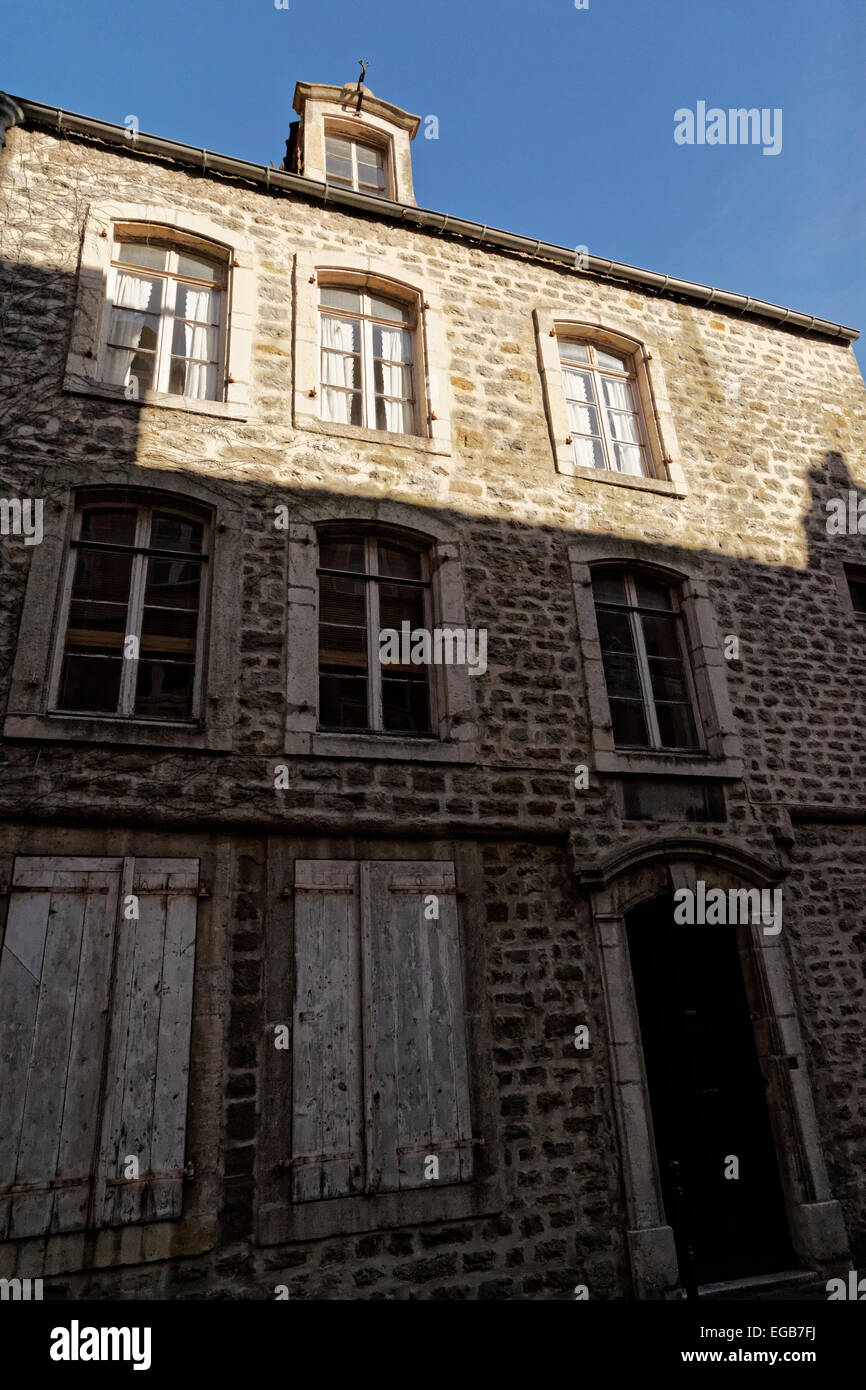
pixel 19 111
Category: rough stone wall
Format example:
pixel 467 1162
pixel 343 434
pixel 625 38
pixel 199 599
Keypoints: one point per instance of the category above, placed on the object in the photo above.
pixel 770 424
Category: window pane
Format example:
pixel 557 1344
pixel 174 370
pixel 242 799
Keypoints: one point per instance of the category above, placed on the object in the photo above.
pixel 622 677
pixel 342 553
pixel 628 459
pixel 96 628
pixel 397 605
pixel 133 330
pixel 342 601
pixel 137 253
pixel 100 574
pixel 677 726
pixel 332 297
pixel 573 352
pixel 614 631
pixel 653 595
pixel 588 453
pixel 169 634
pixel 196 341
pixel 138 293
pixel 398 561
pixel 668 679
pixel 617 393
pixel 608 587
pixel 200 306
pixel 369 157
pixel 392 345
pixel 169 532
pixel 198 269
pixel 629 724
pixel 123 366
pixel 107 526
pixel 342 702
pixel 172 584
pixel 341 369
pixel 198 380
pixel 578 386
pixel 90 683
pixel 164 690
pixel 398 417
pixel 405 705
pixel 387 309
pixel 583 419
pixel 623 426
pixel 660 636
pixel 606 359
pixel 342 148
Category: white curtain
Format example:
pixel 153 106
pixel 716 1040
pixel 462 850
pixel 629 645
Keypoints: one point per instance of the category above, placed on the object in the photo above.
pixel 396 411
pixel 131 297
pixel 200 341
pixel 338 335
pixel 578 386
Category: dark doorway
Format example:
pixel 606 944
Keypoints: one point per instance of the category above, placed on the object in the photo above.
pixel 708 1097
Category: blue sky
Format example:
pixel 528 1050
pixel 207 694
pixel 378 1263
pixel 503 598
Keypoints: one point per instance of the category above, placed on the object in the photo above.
pixel 554 122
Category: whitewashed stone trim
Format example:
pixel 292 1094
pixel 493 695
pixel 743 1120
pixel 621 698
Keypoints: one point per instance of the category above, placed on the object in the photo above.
pixel 83 363
pixel 650 869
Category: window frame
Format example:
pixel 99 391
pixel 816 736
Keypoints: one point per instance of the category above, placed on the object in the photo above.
pixel 595 371
pixel 452 700
pixel 722 752
pixel 28 714
pixel 367 359
pixel 141 552
pixel 390 278
pixel 163 354
pixel 83 373
pixel 336 131
pixel 635 614
pixel 664 471
pixel 373 580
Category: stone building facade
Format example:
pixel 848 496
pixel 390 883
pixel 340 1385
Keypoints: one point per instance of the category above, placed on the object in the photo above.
pixel 366 983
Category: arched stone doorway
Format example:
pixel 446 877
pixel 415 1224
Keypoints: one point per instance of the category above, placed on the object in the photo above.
pixel 618 887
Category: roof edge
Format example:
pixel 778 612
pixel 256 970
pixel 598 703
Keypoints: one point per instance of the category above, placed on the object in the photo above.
pixel 36 113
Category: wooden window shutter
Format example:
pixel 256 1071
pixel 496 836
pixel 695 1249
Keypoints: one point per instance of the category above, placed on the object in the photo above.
pixel 148 1048
pixel 55 972
pixel 327 1146
pixel 95 1015
pixel 415 1062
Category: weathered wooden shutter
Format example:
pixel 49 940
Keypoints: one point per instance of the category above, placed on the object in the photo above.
pixel 415 1065
pixel 55 970
pixel 327 1146
pixel 148 1048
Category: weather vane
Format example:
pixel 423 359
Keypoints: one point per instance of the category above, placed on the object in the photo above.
pixel 364 67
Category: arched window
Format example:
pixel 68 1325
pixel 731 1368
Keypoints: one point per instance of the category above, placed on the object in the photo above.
pixel 649 681
pixel 132 615
pixel 604 411
pixel 372 584
pixel 368 358
pixel 165 325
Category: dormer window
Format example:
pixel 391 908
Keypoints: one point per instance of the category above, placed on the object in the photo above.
pixel 352 164
pixel 350 139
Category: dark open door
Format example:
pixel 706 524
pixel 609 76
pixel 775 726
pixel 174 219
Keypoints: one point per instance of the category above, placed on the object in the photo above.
pixel 708 1097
